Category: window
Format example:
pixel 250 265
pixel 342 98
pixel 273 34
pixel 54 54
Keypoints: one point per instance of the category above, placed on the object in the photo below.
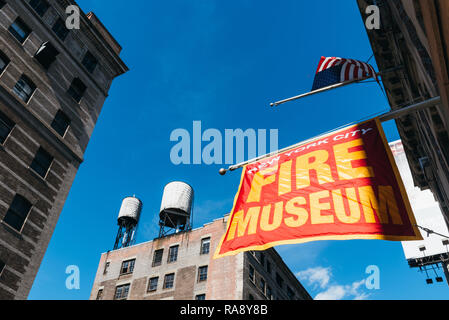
pixel 89 61
pixel 268 266
pixel 290 293
pixel 60 123
pixel 127 266
pixel 2 266
pixel 20 30
pixel 251 273
pixel 262 285
pixel 46 54
pixel 60 29
pixel 169 281
pixel 17 212
pixel 2 3
pixel 6 126
pixel 152 285
pixel 202 273
pixel 106 266
pixel 205 246
pixel 261 257
pixel 173 254
pixel 121 292
pixel 157 257
pixel 279 280
pixel 24 88
pixel 3 61
pixel 100 294
pixel 269 293
pixel 40 6
pixel 250 297
pixel 77 89
pixel 200 297
pixel 41 162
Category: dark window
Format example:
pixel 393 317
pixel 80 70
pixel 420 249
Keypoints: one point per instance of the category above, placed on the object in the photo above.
pixel 173 254
pixel 89 61
pixel 77 89
pixel 269 293
pixel 6 126
pixel 60 123
pixel 19 30
pixel 3 61
pixel 41 162
pixel 290 293
pixel 205 246
pixel 279 280
pixel 46 54
pixel 261 257
pixel 251 273
pixel 202 273
pixel 127 266
pixel 169 280
pixel 106 266
pixel 262 285
pixel 200 297
pixel 269 267
pixel 2 266
pixel 100 294
pixel 157 257
pixel 40 6
pixel 24 88
pixel 121 292
pixel 250 297
pixel 60 29
pixel 2 3
pixel 152 285
pixel 17 212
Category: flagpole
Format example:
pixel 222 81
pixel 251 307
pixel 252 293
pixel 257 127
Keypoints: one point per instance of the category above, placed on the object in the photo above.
pixel 384 117
pixel 334 86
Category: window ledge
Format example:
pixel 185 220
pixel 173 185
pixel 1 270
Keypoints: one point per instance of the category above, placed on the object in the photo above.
pixel 11 229
pixel 38 176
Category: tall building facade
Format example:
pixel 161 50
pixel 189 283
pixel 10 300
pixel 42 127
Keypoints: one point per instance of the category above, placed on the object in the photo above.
pixel 411 49
pixel 53 83
pixel 181 267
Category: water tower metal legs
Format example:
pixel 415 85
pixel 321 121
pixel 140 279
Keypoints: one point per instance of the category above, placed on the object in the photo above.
pixel 177 227
pixel 118 238
pixel 125 236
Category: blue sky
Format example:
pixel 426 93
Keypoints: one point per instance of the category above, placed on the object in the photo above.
pixel 221 63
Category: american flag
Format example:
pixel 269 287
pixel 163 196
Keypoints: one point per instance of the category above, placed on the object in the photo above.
pixel 332 70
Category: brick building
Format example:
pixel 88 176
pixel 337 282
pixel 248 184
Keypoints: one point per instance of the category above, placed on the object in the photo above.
pixel 53 83
pixel 180 267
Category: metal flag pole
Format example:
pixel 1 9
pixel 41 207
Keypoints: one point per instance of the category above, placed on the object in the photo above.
pixel 383 117
pixel 334 86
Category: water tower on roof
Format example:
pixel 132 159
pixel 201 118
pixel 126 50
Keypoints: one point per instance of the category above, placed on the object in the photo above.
pixel 127 221
pixel 176 208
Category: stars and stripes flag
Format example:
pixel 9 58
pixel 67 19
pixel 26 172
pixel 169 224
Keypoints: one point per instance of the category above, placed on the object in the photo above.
pixel 333 70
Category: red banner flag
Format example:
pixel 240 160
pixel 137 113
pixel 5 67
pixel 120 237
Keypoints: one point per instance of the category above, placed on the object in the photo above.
pixel 343 185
